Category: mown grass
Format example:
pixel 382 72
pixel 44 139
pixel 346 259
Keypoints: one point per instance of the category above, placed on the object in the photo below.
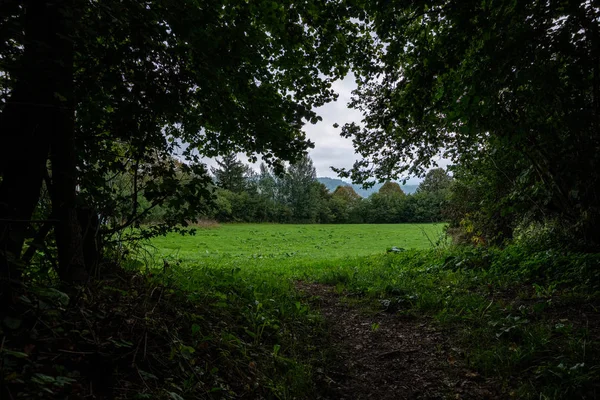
pixel 522 316
pixel 293 243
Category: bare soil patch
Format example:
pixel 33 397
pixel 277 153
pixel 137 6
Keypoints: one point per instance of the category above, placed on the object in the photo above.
pixel 382 355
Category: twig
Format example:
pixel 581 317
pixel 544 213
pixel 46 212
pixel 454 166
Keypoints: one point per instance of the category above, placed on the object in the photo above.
pixel 90 327
pixel 137 348
pixel 2 363
pixel 394 352
pixel 188 363
pixel 29 221
pixel 487 308
pixel 47 326
pixel 77 352
pixel 145 344
pixel 130 221
pixel 159 298
pixel 140 375
pixel 427 236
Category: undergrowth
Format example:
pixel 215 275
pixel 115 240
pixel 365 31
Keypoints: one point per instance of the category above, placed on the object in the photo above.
pixel 161 335
pixel 234 327
pixel 528 318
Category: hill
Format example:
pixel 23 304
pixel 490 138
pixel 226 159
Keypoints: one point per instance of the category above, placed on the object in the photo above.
pixel 332 183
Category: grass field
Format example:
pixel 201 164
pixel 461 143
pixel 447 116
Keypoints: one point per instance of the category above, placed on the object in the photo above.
pixel 292 243
pixel 507 315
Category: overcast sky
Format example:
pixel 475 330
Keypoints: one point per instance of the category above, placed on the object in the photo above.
pixel 330 148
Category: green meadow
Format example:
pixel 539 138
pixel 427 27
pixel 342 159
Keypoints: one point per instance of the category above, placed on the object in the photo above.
pixel 288 245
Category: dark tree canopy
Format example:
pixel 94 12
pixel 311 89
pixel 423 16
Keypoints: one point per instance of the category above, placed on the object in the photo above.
pixel 474 80
pixel 108 91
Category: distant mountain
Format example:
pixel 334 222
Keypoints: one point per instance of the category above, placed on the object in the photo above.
pixel 333 183
pixel 409 189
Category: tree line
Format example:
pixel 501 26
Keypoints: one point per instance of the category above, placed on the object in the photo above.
pixel 295 196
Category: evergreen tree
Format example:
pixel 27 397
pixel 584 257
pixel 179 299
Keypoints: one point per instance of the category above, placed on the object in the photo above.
pixel 301 193
pixel 232 174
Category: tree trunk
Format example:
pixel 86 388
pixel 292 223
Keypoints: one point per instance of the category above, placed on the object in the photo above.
pixel 24 135
pixel 63 158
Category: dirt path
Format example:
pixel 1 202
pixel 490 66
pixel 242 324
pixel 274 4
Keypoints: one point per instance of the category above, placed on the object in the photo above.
pixel 386 356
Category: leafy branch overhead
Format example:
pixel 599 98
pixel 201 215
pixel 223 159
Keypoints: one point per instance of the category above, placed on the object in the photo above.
pixel 512 86
pixel 117 93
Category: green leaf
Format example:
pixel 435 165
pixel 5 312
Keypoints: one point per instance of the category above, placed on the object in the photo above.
pixel 195 329
pixel 12 323
pixel 147 375
pixel 56 295
pixel 276 349
pixel 16 354
pixel 175 396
